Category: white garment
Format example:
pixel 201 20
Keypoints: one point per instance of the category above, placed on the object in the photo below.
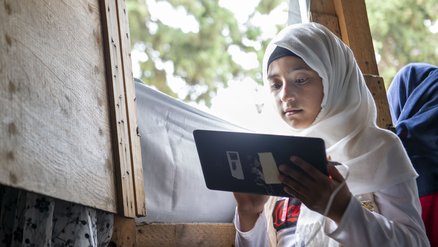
pixel 376 159
pixel 398 224
pixel 347 120
pixel 171 168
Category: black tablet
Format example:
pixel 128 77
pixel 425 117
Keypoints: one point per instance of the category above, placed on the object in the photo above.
pixel 248 162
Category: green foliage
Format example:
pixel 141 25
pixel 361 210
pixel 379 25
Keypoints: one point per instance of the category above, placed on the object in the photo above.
pixel 265 7
pixel 400 33
pixel 199 58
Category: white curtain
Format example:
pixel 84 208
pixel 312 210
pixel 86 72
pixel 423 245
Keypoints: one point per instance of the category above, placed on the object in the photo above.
pixel 174 184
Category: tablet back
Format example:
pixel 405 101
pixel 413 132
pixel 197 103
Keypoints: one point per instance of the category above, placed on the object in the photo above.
pixel 248 162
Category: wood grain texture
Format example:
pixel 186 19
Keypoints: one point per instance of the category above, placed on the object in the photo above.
pixel 348 20
pixel 190 235
pixel 118 104
pixel 323 7
pixel 355 30
pixel 54 114
pixel 131 105
pixel 377 88
pixel 328 20
pixel 124 232
pixel 324 12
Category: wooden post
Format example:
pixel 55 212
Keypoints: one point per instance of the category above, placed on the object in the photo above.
pixel 124 232
pixel 377 88
pixel 355 31
pixel 126 143
pixel 134 136
pixel 323 12
pixel 348 19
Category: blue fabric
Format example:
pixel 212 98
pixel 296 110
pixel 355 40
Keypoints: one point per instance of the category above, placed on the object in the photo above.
pixel 413 101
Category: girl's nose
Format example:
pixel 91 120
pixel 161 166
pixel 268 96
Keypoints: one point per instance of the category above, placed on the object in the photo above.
pixel 287 93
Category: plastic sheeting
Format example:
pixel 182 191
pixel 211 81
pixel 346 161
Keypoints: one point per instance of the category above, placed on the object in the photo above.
pixel 174 185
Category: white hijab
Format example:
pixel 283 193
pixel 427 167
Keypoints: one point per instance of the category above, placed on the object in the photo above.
pixel 347 120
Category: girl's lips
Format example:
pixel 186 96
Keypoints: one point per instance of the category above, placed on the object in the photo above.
pixel 291 112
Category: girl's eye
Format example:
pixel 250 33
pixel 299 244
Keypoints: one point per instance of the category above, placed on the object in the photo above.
pixel 301 81
pixel 275 85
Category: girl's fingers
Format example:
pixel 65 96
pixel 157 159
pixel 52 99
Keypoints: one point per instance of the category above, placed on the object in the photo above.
pixel 297 184
pixel 311 171
pixel 291 182
pixel 285 169
pixel 308 184
pixel 296 177
pixel 334 173
pixel 293 188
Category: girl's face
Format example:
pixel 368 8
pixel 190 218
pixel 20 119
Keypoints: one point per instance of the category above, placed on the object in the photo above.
pixel 297 90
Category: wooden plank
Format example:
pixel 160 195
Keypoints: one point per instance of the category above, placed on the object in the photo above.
pixel 54 124
pixel 156 235
pixel 323 7
pixel 214 235
pixel 323 12
pixel 124 232
pixel 377 88
pixel 355 30
pixel 193 235
pixel 348 19
pixel 131 105
pixel 328 20
pixel 119 116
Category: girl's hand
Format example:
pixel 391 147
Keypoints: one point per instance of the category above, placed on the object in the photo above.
pixel 314 188
pixel 249 207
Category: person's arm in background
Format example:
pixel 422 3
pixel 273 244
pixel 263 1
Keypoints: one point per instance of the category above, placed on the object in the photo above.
pixel 249 220
pixel 256 236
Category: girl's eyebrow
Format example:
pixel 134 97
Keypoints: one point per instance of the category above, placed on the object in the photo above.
pixel 270 76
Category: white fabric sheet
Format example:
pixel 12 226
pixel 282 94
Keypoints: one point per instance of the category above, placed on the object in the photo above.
pixel 174 184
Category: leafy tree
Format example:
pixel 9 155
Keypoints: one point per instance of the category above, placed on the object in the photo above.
pixel 401 33
pixel 199 58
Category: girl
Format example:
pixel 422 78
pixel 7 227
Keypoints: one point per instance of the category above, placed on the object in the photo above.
pixel 413 101
pixel 319 91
